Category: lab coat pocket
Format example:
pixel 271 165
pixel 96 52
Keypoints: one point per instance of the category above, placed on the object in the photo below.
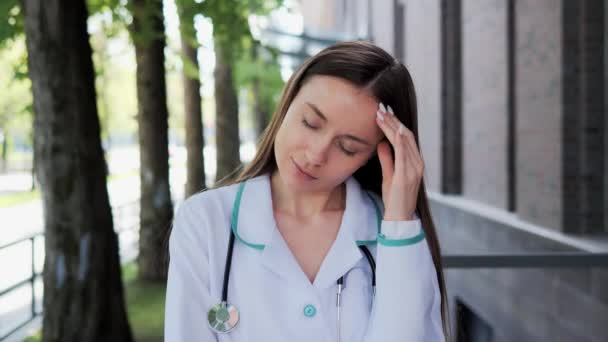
pixel 356 303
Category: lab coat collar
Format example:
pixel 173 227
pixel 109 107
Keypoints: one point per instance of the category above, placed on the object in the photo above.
pixel 257 228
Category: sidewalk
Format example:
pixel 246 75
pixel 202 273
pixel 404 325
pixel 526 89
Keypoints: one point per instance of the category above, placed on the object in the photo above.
pixel 12 182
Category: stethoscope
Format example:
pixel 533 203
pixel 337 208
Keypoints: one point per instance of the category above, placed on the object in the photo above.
pixel 223 317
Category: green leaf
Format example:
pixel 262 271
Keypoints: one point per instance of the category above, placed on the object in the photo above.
pixel 11 21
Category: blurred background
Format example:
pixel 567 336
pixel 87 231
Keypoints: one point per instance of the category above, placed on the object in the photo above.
pixel 113 111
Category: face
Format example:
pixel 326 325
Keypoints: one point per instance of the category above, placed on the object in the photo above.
pixel 329 131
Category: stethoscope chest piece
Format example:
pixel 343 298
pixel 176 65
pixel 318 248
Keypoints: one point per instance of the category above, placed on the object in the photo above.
pixel 223 317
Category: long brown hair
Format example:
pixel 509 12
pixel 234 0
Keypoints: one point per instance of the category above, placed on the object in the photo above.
pixel 371 68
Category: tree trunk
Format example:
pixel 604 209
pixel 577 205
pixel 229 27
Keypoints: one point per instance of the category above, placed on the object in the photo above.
pixel 83 294
pixel 227 140
pixel 260 113
pixel 192 101
pixel 156 210
pixel 4 150
pixel 33 169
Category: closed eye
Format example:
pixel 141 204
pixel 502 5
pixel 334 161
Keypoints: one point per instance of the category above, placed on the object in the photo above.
pixel 308 125
pixel 344 150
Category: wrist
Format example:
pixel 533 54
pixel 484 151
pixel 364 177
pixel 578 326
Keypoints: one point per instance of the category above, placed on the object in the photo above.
pixel 399 217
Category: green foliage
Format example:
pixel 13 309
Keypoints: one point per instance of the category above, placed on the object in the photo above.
pixel 146 14
pixel 230 26
pixel 146 310
pixel 233 38
pixel 145 305
pixel 230 23
pixel 263 68
pixel 114 80
pixel 16 112
pixel 116 15
pixel 11 21
pixel 37 337
pixel 186 10
pixel 190 69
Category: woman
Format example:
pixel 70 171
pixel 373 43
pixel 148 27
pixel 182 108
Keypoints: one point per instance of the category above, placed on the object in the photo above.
pixel 288 251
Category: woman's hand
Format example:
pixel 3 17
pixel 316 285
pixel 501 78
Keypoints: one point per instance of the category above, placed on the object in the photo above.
pixel 401 177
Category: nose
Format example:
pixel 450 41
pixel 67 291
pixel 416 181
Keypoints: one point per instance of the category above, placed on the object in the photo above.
pixel 318 151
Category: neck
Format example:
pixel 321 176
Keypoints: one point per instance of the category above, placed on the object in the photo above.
pixel 305 205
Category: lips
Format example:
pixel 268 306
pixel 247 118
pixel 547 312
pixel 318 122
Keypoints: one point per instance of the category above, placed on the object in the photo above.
pixel 302 170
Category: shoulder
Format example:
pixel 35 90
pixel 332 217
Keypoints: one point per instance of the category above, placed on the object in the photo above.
pixel 197 214
pixel 208 201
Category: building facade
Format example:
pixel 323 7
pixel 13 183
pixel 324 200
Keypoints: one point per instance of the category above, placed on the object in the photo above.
pixel 513 132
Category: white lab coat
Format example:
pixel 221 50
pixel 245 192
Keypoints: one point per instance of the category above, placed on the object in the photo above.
pixel 270 289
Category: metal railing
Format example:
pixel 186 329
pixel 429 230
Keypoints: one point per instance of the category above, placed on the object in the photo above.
pixel 527 260
pixel 128 212
pixel 31 280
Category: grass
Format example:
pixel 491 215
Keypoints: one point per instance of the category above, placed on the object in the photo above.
pixel 37 337
pixel 145 307
pixel 18 198
pixel 123 175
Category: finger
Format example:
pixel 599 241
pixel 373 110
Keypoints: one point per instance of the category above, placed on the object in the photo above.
pixel 388 131
pixel 414 168
pixel 411 138
pixel 405 166
pixel 390 126
pixel 412 148
pixel 401 158
pixel 411 166
pixel 386 161
pixel 389 115
pixel 382 108
pixel 410 156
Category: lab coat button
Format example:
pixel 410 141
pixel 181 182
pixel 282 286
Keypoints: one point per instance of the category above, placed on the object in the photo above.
pixel 310 310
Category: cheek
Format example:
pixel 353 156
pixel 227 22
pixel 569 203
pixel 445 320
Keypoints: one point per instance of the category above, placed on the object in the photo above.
pixel 355 163
pixel 279 144
pixel 286 141
pixel 293 136
pixel 344 166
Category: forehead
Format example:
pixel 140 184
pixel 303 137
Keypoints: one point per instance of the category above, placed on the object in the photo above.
pixel 346 107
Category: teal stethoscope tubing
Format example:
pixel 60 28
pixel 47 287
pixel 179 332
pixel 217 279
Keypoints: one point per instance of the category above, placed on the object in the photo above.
pixel 223 311
pixel 364 249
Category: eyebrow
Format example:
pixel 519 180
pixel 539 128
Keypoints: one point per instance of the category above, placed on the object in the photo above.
pixel 317 111
pixel 324 118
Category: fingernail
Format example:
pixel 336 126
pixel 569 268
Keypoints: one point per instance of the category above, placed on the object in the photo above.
pixel 390 110
pixel 382 108
pixel 380 116
pixel 401 129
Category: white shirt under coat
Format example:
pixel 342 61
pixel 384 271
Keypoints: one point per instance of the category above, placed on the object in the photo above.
pixel 269 288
